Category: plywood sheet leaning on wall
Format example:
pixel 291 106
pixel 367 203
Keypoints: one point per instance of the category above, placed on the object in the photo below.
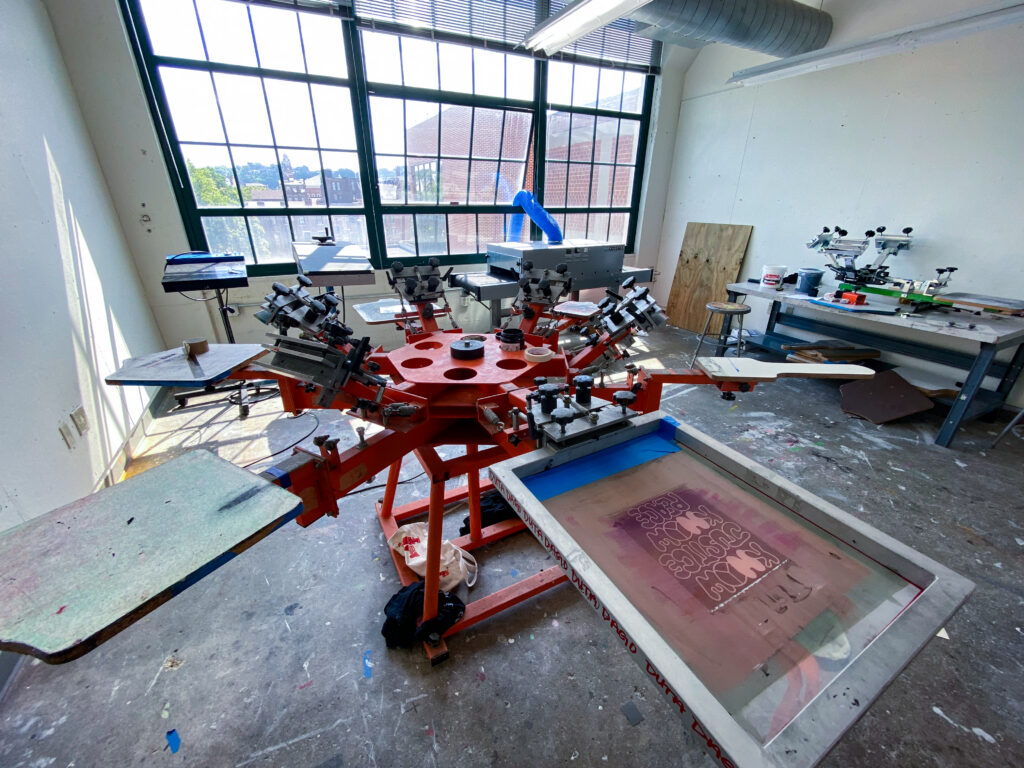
pixel 710 259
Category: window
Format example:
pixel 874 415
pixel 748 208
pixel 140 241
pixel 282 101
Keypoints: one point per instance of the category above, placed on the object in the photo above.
pixel 282 121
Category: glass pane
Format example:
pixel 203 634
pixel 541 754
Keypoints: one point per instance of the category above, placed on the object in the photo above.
pixel 173 29
pixel 610 89
pixel 575 226
pixel 487 129
pixel 617 224
pixel 606 136
pixel 209 169
pixel 488 72
pixel 421 128
pixel 226 32
pixel 584 86
pixel 510 181
pixel 597 226
pixel 227 234
pixel 351 231
pixel 622 192
pixel 558 135
pixel 491 229
pixel 483 175
pixel 559 82
pixel 456 67
pixel 277 39
pixel 578 193
pixel 454 180
pixel 244 109
pixel 581 144
pixel 423 180
pixel 305 227
pixel 399 239
pixel 391 178
pixel 341 178
pixel 419 62
pixel 432 234
pixel 517 135
pixel 193 105
pixel 388 121
pixel 462 233
pixel 633 91
pixel 259 176
pixel 455 122
pixel 303 185
pixel 324 45
pixel 333 107
pixel 629 137
pixel 519 77
pixel 383 61
pixel 554 184
pixel 272 238
pixel 601 186
pixel 290 113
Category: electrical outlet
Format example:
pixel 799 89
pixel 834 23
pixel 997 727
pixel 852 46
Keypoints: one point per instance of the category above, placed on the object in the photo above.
pixel 65 432
pixel 80 420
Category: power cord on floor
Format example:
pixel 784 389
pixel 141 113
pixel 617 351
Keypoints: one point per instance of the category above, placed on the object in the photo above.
pixel 316 426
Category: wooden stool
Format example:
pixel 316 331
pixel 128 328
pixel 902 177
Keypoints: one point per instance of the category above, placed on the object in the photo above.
pixel 726 309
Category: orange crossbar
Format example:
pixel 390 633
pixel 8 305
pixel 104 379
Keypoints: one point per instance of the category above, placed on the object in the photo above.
pixel 488 606
pixel 417 508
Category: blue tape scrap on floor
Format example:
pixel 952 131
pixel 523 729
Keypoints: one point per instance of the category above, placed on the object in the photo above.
pixel 367 664
pixel 173 741
pixel 603 463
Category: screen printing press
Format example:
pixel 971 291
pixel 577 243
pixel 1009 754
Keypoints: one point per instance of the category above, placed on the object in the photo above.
pixel 769 617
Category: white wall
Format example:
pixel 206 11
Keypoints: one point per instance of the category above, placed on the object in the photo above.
pixel 929 139
pixel 73 306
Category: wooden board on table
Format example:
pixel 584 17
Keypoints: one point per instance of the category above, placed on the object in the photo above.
pixel 749 369
pixel 710 259
pixel 76 576
pixel 174 368
pixel 994 303
pixel 885 398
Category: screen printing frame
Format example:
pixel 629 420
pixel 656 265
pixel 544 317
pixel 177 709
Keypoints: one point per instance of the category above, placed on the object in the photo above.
pixel 818 727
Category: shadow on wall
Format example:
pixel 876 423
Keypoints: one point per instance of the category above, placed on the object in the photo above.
pixel 95 332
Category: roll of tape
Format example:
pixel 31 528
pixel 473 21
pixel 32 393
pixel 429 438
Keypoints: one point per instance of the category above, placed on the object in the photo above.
pixel 539 354
pixel 195 347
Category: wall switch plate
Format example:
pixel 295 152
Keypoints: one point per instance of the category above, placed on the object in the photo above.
pixel 65 432
pixel 80 420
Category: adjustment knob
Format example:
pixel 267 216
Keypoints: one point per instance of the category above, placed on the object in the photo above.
pixel 583 384
pixel 527 266
pixel 280 290
pixel 304 281
pixel 330 300
pixel 880 230
pixel 624 398
pixel 397 267
pixel 432 283
pixel 540 380
pixel 869 233
pixel 563 417
pixel 629 282
pixel 434 262
pixel 561 268
pixel 907 230
pixel 825 230
pixel 842 232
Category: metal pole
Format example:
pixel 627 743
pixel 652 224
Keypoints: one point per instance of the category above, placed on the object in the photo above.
pixel 224 317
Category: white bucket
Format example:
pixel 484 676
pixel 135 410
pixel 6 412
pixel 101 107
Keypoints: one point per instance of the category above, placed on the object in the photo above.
pixel 771 277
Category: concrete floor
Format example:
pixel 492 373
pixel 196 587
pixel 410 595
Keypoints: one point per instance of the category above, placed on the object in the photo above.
pixel 277 658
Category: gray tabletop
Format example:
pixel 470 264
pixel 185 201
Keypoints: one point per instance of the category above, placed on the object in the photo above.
pixel 987 328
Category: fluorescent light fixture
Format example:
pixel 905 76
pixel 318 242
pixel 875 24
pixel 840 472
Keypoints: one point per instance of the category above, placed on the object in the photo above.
pixel 576 20
pixel 902 40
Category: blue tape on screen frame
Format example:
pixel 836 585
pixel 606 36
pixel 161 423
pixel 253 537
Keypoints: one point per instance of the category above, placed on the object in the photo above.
pixel 609 461
pixel 283 478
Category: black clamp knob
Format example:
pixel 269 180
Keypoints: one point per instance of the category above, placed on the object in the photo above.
pixel 624 399
pixel 583 384
pixel 548 394
pixel 562 268
pixel 397 267
pixel 540 380
pixel 563 417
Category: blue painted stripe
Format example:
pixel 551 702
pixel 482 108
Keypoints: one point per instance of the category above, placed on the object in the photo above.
pixel 609 461
pixel 283 478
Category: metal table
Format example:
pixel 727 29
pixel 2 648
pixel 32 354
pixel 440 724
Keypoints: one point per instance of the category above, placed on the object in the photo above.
pixel 989 332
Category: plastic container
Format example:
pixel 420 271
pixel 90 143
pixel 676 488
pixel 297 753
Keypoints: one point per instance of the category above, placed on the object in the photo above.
pixel 771 277
pixel 808 279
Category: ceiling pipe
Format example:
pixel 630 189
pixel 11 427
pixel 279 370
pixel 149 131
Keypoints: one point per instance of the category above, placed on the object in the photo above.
pixel 774 27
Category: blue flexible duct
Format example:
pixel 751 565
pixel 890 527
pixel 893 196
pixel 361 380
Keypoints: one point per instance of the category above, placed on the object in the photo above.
pixel 537 214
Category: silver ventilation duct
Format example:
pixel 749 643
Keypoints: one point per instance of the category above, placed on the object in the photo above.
pixel 775 27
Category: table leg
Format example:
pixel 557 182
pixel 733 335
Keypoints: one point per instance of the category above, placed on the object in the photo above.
pixel 971 386
pixel 1012 372
pixel 773 317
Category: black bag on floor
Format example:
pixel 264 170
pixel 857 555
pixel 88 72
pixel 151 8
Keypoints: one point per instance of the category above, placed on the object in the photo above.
pixel 404 611
pixel 493 509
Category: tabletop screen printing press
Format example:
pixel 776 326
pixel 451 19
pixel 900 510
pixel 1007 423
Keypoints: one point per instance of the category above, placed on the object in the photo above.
pixel 769 617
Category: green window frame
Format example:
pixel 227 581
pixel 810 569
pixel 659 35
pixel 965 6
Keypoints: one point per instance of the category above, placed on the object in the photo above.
pixel 275 126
